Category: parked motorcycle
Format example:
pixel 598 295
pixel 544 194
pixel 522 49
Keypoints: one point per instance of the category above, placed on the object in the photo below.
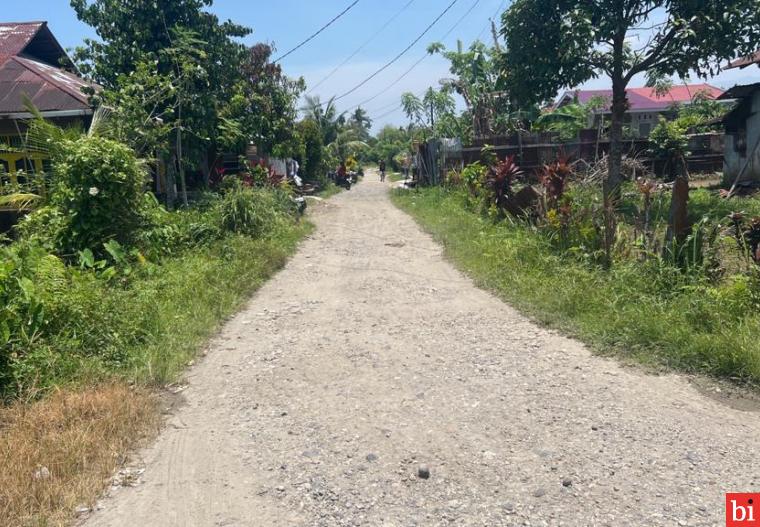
pixel 344 182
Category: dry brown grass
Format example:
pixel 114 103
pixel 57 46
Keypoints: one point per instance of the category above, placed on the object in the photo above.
pixel 79 437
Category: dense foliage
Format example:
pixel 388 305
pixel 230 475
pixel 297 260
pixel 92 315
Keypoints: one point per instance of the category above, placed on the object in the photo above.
pixel 183 86
pixel 551 45
pixel 97 196
pixel 98 313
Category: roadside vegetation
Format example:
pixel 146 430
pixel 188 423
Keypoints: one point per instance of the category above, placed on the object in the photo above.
pixel 110 283
pixel 688 305
pixel 622 250
pixel 104 293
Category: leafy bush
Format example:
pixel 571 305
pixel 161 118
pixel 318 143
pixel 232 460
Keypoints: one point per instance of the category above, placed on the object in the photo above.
pixel 254 212
pixel 473 177
pixel 98 195
pixel 500 179
pixel 21 308
pixel 670 143
pixel 312 168
pixel 554 178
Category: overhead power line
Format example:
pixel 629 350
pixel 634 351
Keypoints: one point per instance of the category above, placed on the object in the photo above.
pixel 396 106
pixel 394 59
pixel 386 114
pixel 360 48
pixel 331 22
pixel 426 55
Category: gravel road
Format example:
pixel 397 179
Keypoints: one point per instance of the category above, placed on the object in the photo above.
pixel 370 360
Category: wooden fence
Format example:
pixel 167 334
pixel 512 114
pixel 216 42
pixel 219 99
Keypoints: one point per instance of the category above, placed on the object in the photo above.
pixel 533 151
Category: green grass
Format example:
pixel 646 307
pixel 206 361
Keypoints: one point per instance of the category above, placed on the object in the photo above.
pixel 200 291
pixel 395 176
pixel 329 191
pixel 146 328
pixel 643 311
pixel 703 202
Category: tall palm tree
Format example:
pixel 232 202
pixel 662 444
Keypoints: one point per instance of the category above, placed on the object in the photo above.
pixel 325 115
pixel 361 118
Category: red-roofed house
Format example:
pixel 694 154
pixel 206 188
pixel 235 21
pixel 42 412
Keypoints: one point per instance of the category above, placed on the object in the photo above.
pixel 33 64
pixel 645 106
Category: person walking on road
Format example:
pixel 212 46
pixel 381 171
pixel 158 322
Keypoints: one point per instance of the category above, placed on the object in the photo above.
pixel 382 170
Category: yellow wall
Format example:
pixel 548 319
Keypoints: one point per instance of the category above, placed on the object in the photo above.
pixel 9 159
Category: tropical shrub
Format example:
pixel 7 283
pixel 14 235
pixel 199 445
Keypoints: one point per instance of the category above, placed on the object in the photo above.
pixel 500 179
pixel 21 308
pixel 312 168
pixel 554 178
pixel 670 144
pixel 254 212
pixel 98 195
pixel 473 177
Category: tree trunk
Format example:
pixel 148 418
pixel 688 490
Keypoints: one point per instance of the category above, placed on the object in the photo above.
pixel 206 167
pixel 171 183
pixel 520 144
pixel 678 222
pixel 615 162
pixel 180 164
pixel 611 187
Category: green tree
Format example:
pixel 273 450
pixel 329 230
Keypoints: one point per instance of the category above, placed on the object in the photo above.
pixel 265 100
pixel 325 115
pixel 131 32
pixel 554 44
pixel 476 75
pixel 436 107
pixel 312 162
pixel 361 121
pixel 392 143
pixel 184 43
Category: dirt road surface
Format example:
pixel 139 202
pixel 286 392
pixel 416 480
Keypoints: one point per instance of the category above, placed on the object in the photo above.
pixel 369 355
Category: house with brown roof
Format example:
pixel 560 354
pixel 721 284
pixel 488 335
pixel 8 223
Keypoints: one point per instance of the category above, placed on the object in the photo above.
pixel 645 105
pixel 34 65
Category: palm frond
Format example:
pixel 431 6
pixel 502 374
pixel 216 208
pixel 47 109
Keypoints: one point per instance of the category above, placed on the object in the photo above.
pixel 42 136
pixel 102 124
pixel 19 201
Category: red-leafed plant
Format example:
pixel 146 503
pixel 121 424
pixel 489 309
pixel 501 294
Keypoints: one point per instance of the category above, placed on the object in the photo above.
pixel 499 181
pixel 554 177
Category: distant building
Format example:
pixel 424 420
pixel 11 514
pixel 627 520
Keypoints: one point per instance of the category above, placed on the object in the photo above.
pixel 33 64
pixel 742 124
pixel 644 106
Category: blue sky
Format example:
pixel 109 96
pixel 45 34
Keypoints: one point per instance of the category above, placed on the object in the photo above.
pixel 287 22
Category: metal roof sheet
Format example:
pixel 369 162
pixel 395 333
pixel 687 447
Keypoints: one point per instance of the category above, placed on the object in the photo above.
pixel 15 36
pixel 741 91
pixel 642 99
pixel 49 88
